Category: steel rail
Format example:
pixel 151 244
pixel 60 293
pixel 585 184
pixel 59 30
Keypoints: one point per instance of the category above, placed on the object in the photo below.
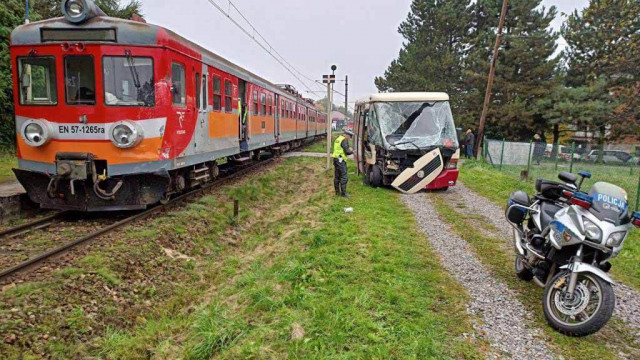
pixel 34 225
pixel 33 262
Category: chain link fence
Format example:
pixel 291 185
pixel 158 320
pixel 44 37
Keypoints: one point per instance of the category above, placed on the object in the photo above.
pixel 618 164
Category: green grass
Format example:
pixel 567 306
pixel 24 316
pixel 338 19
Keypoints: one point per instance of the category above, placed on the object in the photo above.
pixel 318 283
pixel 7 162
pixel 320 146
pixel 497 186
pixel 492 251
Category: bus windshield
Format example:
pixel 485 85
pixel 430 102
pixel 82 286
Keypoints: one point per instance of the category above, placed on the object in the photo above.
pixel 412 125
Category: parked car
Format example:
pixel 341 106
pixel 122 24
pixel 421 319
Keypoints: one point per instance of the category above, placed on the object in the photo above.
pixel 564 152
pixel 609 156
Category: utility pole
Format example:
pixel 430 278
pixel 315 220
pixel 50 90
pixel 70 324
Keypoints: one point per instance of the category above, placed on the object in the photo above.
pixel 492 71
pixel 26 18
pixel 329 80
pixel 346 96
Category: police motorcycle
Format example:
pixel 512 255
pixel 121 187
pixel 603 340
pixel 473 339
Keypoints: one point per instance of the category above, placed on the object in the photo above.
pixel 564 239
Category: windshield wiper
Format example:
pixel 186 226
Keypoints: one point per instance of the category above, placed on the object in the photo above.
pixel 407 142
pixel 133 69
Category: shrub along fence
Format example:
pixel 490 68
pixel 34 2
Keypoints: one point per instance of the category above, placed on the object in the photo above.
pixel 618 164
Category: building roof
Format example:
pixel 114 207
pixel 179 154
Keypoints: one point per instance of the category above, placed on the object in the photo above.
pixel 405 96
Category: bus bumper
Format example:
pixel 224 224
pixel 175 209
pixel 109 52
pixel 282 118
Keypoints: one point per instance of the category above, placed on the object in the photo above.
pixel 444 180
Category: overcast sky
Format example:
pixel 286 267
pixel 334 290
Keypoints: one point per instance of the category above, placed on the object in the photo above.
pixel 359 36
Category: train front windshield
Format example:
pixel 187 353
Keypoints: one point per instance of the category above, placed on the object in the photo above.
pixel 413 125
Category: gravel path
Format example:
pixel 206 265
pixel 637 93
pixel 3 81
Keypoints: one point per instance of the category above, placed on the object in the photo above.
pixel 506 323
pixel 627 299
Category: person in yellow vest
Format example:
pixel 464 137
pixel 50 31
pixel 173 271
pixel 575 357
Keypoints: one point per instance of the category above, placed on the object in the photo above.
pixel 341 150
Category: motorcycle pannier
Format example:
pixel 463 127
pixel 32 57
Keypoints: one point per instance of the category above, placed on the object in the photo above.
pixel 517 214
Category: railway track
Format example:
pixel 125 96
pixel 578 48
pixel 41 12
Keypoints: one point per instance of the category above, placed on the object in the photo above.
pixel 48 221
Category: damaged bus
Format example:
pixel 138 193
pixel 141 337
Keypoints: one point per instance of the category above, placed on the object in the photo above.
pixel 406 140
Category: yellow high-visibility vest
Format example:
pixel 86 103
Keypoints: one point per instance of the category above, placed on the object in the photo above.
pixel 338 151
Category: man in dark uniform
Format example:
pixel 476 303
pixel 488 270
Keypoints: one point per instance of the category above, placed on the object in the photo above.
pixel 340 152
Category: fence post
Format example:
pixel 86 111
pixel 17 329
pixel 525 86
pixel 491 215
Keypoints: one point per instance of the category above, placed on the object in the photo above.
pixel 638 194
pixel 573 151
pixel 502 154
pixel 558 155
pixel 529 158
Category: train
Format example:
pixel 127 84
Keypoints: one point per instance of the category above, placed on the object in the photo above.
pixel 115 114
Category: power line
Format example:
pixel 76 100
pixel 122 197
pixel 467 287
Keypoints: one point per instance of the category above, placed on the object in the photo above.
pixel 271 50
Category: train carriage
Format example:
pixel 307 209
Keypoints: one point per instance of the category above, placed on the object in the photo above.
pixel 117 114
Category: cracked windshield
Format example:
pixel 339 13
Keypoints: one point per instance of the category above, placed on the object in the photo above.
pixel 406 125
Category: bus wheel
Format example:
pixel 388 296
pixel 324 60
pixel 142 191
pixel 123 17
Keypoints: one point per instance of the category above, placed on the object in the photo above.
pixel 365 175
pixel 375 176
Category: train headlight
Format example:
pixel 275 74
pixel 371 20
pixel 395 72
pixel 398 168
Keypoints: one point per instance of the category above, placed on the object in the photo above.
pixel 35 133
pixel 125 134
pixel 77 11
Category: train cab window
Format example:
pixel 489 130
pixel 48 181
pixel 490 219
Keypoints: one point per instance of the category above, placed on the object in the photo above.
pixel 263 103
pixel 217 97
pixel 80 80
pixel 37 76
pixel 198 90
pixel 227 96
pixel 178 93
pixel 128 81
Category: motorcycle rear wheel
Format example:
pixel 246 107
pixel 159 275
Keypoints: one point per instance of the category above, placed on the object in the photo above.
pixel 593 304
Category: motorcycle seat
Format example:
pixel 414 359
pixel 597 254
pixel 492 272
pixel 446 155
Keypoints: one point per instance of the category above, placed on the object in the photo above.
pixel 547 211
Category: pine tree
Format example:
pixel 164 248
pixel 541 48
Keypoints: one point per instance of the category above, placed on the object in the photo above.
pixel 525 72
pixel 602 53
pixel 430 60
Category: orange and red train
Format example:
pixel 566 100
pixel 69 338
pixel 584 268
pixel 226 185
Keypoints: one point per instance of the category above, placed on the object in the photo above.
pixel 116 114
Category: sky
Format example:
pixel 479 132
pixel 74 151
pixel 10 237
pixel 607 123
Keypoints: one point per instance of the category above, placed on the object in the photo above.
pixel 360 37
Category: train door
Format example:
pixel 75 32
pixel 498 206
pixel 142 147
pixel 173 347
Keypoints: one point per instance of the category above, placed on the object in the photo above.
pixel 276 128
pixel 202 106
pixel 243 115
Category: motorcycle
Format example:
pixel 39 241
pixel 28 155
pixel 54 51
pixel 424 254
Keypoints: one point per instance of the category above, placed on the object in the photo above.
pixel 564 239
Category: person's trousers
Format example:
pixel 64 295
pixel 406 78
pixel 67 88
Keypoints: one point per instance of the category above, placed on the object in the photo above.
pixel 469 149
pixel 341 176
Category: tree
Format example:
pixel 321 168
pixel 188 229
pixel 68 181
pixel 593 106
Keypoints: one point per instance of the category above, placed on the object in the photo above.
pixel 603 48
pixel 525 72
pixel 431 58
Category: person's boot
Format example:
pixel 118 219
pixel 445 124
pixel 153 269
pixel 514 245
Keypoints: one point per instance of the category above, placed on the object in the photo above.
pixel 343 191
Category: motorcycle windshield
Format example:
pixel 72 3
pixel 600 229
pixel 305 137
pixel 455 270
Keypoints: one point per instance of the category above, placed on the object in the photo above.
pixel 609 203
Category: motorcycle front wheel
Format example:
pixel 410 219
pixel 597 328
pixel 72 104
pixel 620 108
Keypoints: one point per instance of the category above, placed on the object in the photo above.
pixel 582 313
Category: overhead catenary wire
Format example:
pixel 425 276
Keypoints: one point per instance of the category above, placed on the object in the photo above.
pixel 266 46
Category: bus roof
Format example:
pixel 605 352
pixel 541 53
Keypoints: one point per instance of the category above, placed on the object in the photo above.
pixel 405 96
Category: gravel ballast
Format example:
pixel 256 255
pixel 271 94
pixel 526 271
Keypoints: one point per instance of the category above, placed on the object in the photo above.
pixel 505 322
pixel 627 299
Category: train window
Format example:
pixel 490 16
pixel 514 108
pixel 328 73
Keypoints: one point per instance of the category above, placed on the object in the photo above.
pixel 282 108
pixel 80 80
pixel 270 105
pixel 227 96
pixel 263 102
pixel 128 81
pixel 217 97
pixel 37 76
pixel 205 100
pixel 178 93
pixel 198 90
pixel 255 103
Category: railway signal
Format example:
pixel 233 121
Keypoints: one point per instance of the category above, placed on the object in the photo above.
pixel 329 80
